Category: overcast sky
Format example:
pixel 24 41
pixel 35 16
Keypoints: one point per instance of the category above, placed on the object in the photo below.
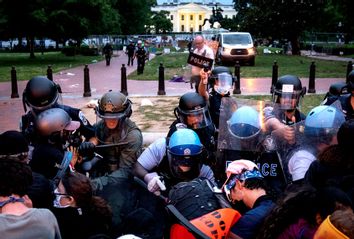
pixel 221 1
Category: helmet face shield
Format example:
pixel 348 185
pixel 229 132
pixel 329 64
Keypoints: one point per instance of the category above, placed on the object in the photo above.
pixel 223 83
pixel 195 119
pixel 185 167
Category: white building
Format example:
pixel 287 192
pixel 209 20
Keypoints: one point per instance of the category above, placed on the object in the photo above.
pixel 190 16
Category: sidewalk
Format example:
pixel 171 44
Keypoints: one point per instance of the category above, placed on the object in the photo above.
pixel 104 78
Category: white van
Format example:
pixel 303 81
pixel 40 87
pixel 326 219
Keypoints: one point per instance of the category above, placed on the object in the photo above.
pixel 235 46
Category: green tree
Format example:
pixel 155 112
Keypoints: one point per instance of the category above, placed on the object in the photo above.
pixel 134 15
pixel 279 19
pixel 161 22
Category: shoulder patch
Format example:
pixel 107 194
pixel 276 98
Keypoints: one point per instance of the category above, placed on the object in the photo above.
pixel 82 117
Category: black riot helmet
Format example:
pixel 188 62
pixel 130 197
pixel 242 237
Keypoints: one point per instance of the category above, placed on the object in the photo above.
pixel 193 111
pixel 351 81
pixel 40 93
pixel 221 80
pixel 288 88
pixel 114 105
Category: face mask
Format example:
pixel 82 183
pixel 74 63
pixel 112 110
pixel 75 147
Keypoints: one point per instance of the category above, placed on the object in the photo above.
pixel 56 202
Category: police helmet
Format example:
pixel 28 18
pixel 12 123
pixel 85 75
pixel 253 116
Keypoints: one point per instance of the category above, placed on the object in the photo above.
pixel 323 122
pixel 351 81
pixel 192 104
pixel 223 75
pixel 185 149
pixel 114 105
pixel 40 93
pixel 52 121
pixel 244 123
pixel 288 87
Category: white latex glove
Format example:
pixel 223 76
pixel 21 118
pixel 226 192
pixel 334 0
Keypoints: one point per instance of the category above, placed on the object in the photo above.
pixel 154 183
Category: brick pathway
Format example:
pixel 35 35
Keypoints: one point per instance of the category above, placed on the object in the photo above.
pixel 104 78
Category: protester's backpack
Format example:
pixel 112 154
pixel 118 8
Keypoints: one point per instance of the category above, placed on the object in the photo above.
pixel 194 198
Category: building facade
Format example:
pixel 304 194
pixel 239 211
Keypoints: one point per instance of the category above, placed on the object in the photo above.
pixel 190 17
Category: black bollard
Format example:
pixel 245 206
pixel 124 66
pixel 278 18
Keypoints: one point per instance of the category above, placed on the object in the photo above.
pixel 312 78
pixel 87 88
pixel 274 76
pixel 161 90
pixel 50 73
pixel 123 79
pixel 237 89
pixel 349 69
pixel 14 89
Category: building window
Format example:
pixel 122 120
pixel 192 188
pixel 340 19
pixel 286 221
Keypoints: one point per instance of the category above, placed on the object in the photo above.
pixel 200 17
pixel 200 28
pixel 182 17
pixel 171 17
pixel 191 29
pixel 191 17
pixel 182 28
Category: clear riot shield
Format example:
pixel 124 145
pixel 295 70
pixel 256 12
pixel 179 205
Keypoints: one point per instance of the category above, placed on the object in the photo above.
pixel 316 132
pixel 243 135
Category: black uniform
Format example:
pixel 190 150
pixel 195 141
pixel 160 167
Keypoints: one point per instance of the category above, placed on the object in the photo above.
pixel 28 127
pixel 141 57
pixel 130 52
pixel 344 100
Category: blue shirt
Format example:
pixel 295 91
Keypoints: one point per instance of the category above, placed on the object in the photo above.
pixel 249 224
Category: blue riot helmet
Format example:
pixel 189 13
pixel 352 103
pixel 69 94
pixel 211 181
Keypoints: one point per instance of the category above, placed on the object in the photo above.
pixel 184 154
pixel 244 123
pixel 323 122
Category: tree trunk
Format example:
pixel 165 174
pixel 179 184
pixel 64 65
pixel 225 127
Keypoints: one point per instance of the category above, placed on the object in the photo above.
pixel 295 46
pixel 31 47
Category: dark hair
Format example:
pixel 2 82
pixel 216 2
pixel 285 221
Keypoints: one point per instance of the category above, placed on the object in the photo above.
pixel 300 202
pixel 79 187
pixel 15 177
pixel 343 220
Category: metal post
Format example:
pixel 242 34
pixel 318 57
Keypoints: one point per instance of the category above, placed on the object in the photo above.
pixel 14 89
pixel 50 73
pixel 274 76
pixel 161 90
pixel 349 69
pixel 123 79
pixel 87 88
pixel 312 78
pixel 237 89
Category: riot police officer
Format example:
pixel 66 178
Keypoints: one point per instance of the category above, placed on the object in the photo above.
pixel 220 81
pixel 55 128
pixel 41 94
pixel 287 95
pixel 192 112
pixel 140 55
pixel 346 100
pixel 121 137
pixel 177 159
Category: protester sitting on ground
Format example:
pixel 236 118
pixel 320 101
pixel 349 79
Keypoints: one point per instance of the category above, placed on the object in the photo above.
pixel 17 220
pixel 245 183
pixel 335 165
pixel 79 213
pixel 301 210
pixel 172 160
pixel 339 225
pixel 14 145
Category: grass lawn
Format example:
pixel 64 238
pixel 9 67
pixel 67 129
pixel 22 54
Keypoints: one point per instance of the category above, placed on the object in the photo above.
pixel 295 65
pixel 27 68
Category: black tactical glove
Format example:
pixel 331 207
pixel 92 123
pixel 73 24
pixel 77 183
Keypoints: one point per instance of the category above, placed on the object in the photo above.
pixel 86 148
